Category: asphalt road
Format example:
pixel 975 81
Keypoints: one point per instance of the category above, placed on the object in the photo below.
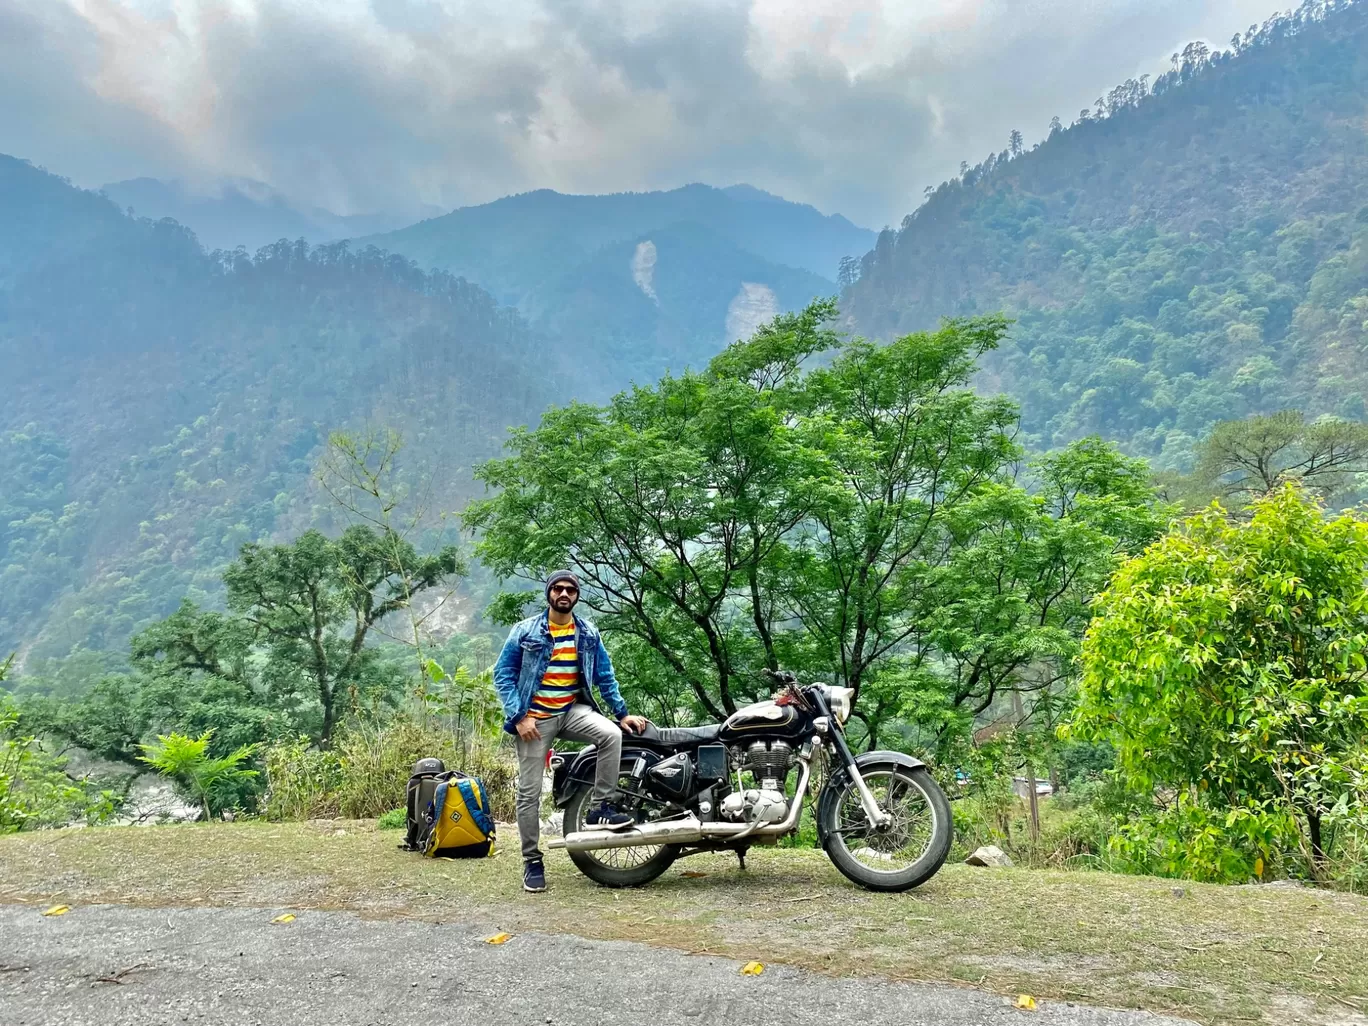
pixel 112 965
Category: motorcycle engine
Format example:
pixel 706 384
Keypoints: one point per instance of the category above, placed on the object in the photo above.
pixel 768 762
pixel 754 806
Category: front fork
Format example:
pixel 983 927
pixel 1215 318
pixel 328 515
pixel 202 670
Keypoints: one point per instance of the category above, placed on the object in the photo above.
pixel 878 818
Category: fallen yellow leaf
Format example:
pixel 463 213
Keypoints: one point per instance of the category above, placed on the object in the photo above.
pixel 57 910
pixel 752 969
pixel 1258 867
pixel 499 938
pixel 1026 1002
pixel 288 917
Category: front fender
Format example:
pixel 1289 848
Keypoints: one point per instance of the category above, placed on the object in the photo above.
pixel 581 767
pixel 899 759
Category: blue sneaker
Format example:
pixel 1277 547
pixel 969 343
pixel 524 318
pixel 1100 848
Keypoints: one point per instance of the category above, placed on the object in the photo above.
pixel 605 815
pixel 534 876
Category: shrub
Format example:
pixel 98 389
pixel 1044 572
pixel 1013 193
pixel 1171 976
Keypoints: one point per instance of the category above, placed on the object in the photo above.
pixel 1226 665
pixel 395 819
pixel 212 784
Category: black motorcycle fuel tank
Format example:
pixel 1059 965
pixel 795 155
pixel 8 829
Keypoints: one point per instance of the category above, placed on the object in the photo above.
pixel 763 719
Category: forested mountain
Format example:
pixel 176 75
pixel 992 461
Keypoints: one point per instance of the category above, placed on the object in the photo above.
pixel 162 405
pixel 1191 250
pixel 658 279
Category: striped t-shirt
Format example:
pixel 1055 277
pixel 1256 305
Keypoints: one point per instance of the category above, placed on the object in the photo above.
pixel 560 683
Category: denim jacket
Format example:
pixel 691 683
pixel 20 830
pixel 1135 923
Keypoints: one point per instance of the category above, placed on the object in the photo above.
pixel 526 654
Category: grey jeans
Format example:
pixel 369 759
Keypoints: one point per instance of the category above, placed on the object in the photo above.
pixel 578 723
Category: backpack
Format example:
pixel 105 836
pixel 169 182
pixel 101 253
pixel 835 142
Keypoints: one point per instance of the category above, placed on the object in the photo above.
pixel 422 786
pixel 459 825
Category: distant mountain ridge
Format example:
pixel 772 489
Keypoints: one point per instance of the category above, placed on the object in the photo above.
pixel 570 264
pixel 160 405
pixel 242 213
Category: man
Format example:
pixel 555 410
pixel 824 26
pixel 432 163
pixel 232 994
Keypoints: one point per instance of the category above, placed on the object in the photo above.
pixel 545 678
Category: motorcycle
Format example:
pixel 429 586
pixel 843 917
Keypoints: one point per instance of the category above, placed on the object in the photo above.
pixel 881 817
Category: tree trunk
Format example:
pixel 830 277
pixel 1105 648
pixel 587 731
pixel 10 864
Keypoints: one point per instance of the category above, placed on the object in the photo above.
pixel 1313 825
pixel 325 695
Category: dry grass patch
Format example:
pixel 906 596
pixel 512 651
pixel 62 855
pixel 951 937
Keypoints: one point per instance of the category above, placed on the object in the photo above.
pixel 1214 954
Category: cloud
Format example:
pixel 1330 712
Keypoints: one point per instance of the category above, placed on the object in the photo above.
pixel 361 106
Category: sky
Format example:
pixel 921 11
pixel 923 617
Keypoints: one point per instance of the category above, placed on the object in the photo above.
pixel 364 106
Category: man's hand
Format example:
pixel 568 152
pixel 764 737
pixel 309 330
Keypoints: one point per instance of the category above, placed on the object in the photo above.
pixel 527 728
pixel 634 724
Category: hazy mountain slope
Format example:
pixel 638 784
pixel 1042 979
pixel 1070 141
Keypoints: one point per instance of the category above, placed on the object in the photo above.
pixel 567 262
pixel 515 244
pixel 1186 253
pixel 161 407
pixel 242 213
pixel 669 300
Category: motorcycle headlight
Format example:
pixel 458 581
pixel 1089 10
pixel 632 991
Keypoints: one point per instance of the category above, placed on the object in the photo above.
pixel 840 701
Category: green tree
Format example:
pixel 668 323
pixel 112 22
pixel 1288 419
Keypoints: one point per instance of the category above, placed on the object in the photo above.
pixel 312 604
pixel 1244 459
pixel 858 520
pixel 1227 666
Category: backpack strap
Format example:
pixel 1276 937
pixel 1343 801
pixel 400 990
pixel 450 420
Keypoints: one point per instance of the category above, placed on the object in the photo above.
pixel 475 806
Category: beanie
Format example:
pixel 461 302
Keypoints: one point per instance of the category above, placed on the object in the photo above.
pixel 561 575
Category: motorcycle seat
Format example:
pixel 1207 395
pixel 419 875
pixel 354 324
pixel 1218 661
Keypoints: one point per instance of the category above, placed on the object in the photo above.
pixel 679 737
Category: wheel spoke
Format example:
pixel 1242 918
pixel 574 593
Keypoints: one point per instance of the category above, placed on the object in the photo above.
pixel 906 837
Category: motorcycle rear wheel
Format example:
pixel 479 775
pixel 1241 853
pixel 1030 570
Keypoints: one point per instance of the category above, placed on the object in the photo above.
pixel 614 867
pixel 908 853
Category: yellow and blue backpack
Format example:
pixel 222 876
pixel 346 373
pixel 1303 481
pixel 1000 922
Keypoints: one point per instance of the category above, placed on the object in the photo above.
pixel 457 821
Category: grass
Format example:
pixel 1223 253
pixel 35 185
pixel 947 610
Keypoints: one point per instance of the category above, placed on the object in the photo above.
pixel 1219 955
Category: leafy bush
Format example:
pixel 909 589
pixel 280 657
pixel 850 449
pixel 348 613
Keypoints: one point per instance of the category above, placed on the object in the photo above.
pixel 214 784
pixel 395 819
pixel 1226 665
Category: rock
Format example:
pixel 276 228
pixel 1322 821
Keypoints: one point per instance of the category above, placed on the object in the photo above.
pixel 1178 892
pixel 988 855
pixel 552 825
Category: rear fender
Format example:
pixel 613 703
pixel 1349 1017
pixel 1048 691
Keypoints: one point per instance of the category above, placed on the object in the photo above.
pixel 575 768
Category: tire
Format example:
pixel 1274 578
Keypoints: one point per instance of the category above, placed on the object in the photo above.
pixel 601 872
pixel 841 792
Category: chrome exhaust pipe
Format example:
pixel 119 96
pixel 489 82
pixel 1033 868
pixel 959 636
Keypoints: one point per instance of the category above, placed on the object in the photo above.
pixel 690 830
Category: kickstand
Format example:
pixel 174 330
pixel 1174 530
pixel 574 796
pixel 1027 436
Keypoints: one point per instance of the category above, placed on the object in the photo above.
pixel 741 858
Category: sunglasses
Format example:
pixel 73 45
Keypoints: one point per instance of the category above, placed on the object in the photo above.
pixel 564 589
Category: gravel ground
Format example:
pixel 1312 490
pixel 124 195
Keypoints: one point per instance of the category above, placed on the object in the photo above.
pixel 113 965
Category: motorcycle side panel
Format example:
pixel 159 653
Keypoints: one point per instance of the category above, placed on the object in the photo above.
pixel 580 768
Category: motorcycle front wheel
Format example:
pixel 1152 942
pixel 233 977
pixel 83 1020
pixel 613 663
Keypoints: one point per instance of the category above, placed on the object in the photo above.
pixel 907 852
pixel 616 867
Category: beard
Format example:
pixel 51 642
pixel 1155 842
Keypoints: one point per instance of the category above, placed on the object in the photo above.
pixel 563 603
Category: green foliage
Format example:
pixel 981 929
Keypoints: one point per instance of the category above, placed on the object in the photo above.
pixel 1226 665
pixel 35 789
pixel 859 520
pixel 312 604
pixel 395 819
pixel 1189 253
pixel 1247 458
pixel 213 784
